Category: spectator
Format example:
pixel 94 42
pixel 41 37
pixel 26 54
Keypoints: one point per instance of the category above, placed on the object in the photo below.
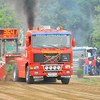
pixel 94 65
pixel 98 64
pixel 78 61
pixel 86 65
pixel 81 63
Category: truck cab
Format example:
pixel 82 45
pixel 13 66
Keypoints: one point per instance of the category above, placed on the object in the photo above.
pixel 84 51
pixel 48 55
pixel 8 36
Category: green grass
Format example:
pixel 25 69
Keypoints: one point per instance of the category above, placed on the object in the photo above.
pixel 95 80
pixel 9 66
pixel 85 80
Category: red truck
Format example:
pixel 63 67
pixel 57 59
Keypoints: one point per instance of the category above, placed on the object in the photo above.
pixel 48 55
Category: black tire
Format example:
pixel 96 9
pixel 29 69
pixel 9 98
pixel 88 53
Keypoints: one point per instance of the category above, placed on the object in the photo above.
pixel 15 73
pixel 49 79
pixel 29 79
pixel 65 80
pixel 92 71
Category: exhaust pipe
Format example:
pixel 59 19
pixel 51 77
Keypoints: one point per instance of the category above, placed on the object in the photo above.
pixel 31 26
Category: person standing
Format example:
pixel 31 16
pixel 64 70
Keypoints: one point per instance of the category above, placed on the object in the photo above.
pixel 98 64
pixel 94 65
pixel 78 61
pixel 81 63
pixel 86 65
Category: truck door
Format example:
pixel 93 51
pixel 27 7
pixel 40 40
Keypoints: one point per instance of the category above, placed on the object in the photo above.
pixel 29 43
pixel 29 47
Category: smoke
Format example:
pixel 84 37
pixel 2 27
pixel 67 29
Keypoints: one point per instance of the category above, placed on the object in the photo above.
pixel 26 11
pixel 29 10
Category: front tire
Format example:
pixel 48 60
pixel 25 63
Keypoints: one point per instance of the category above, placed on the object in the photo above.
pixel 65 80
pixel 29 79
pixel 15 73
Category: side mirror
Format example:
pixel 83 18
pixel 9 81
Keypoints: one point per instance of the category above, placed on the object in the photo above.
pixel 73 42
pixel 27 42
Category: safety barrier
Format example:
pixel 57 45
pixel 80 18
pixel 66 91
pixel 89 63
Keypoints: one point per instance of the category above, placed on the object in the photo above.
pixel 2 70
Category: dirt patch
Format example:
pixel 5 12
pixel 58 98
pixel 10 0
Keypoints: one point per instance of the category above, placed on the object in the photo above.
pixel 3 96
pixel 8 76
pixel 41 90
pixel 52 91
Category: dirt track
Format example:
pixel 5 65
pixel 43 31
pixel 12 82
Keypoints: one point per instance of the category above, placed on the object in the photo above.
pixel 40 90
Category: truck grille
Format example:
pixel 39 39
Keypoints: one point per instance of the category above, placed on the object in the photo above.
pixel 38 58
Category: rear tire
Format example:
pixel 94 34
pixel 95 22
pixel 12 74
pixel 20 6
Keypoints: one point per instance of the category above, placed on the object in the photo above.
pixel 29 79
pixel 65 80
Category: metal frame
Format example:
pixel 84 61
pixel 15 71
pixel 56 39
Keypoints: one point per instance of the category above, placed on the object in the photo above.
pixel 9 39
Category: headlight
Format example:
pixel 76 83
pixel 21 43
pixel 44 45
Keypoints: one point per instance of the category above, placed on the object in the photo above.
pixel 67 71
pixel 67 66
pixel 54 67
pixel 50 67
pixel 36 72
pixel 36 67
pixel 58 67
pixel 46 68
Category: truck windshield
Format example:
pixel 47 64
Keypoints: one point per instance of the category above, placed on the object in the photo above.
pixel 78 53
pixel 93 52
pixel 51 41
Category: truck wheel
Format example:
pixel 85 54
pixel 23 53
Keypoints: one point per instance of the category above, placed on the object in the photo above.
pixel 15 73
pixel 48 79
pixel 65 80
pixel 92 71
pixel 29 79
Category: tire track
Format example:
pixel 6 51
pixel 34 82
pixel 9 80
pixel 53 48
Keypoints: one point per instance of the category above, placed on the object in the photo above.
pixel 28 92
pixel 75 93
pixel 3 96
pixel 43 91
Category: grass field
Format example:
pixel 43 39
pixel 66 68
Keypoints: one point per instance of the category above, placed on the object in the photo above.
pixel 88 79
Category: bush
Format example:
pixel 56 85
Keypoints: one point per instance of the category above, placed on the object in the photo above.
pixel 80 72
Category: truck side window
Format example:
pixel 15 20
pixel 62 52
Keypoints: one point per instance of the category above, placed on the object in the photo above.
pixel 29 40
